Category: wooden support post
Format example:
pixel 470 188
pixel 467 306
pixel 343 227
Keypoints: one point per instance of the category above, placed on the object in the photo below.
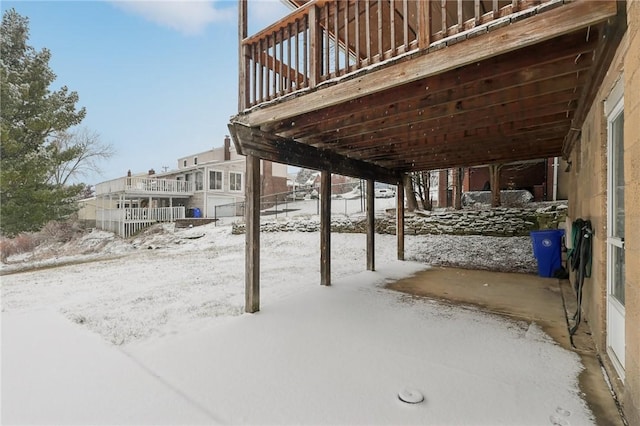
pixel 494 181
pixel 252 246
pixel 400 220
pixel 371 226
pixel 458 174
pixel 325 228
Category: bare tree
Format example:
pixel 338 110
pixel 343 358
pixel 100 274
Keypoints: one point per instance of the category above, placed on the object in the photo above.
pixel 422 182
pixel 76 154
pixel 410 194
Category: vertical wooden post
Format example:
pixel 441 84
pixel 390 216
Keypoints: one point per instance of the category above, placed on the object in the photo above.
pixel 243 66
pixel 371 226
pixel 424 24
pixel 443 16
pixel 252 235
pixel 494 179
pixel 380 32
pixel 315 46
pixel 400 219
pixel 357 33
pixel 392 22
pixel 458 174
pixel 325 228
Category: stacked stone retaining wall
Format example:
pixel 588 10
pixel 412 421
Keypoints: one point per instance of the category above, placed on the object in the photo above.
pixel 501 222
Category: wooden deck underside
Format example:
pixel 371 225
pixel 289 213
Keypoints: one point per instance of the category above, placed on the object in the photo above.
pixel 519 92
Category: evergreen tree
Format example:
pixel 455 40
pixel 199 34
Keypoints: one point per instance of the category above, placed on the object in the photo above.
pixel 31 114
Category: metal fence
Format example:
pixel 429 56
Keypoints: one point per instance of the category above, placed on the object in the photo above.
pixel 346 199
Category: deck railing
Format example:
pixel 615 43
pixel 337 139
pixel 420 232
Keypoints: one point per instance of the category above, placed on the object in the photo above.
pixel 144 185
pixel 325 39
pixel 128 221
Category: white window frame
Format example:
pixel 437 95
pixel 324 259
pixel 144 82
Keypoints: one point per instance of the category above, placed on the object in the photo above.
pixel 221 189
pixel 614 108
pixel 241 181
pixel 195 180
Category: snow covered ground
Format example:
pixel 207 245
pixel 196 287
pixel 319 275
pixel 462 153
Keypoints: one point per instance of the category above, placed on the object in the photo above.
pixel 151 331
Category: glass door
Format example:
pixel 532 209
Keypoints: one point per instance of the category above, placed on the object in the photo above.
pixel 615 238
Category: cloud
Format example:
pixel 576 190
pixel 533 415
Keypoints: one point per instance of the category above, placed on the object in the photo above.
pixel 190 17
pixel 266 12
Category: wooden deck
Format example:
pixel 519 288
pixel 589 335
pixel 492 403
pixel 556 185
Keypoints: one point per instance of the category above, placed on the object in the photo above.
pixel 144 187
pixel 367 88
pixel 376 89
pixel 126 222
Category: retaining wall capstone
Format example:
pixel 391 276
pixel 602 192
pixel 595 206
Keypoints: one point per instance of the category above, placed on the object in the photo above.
pixel 497 222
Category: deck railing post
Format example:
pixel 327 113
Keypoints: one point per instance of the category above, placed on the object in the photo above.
pixel 315 46
pixel 424 24
pixel 243 66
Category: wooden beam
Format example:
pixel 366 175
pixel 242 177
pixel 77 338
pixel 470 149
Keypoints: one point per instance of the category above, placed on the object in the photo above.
pixel 400 219
pixel 252 141
pixel 252 235
pixel 607 48
pixel 432 134
pixel 371 226
pixel 572 51
pixel 487 151
pixel 527 32
pixel 466 99
pixel 325 228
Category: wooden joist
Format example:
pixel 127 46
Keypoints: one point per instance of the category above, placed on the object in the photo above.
pixel 608 40
pixel 252 141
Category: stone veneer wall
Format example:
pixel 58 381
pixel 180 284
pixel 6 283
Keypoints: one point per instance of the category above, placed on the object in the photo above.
pixel 501 222
pixel 588 200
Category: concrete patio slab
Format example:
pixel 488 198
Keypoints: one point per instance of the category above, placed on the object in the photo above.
pixel 546 301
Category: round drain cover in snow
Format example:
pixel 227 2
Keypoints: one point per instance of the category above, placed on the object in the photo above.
pixel 410 396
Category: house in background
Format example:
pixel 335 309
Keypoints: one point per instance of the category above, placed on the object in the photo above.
pixel 206 185
pixel 545 179
pixel 218 178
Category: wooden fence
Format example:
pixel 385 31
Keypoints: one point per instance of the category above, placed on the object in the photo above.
pixel 144 185
pixel 129 221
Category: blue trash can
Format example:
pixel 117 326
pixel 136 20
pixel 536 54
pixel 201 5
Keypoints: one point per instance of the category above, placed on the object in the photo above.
pixel 197 212
pixel 547 246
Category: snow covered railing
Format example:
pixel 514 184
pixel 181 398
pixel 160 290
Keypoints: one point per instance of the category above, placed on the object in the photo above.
pixel 128 221
pixel 144 185
pixel 327 39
